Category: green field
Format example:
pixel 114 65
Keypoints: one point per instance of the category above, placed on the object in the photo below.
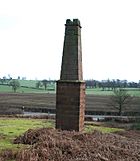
pixel 29 83
pixel 7 89
pixel 11 128
pixel 98 91
pixel 29 86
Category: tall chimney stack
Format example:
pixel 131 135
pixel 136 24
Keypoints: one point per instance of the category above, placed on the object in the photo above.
pixel 70 94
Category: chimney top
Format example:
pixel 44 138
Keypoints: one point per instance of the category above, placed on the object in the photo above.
pixel 74 22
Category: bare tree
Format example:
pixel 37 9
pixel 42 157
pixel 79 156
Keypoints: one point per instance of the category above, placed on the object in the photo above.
pixel 120 100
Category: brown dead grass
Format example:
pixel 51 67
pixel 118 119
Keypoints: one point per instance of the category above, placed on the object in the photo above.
pixel 7 154
pixel 55 145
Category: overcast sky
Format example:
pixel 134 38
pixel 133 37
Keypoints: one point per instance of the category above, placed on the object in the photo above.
pixel 32 35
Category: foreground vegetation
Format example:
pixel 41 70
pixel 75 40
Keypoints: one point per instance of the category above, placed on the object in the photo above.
pixel 58 145
pixel 11 128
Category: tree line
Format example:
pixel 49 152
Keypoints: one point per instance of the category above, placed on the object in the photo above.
pixel 111 84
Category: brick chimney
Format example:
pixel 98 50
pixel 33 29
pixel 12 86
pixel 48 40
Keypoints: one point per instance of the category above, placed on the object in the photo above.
pixel 70 94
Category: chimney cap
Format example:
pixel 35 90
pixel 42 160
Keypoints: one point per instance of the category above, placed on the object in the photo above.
pixel 74 22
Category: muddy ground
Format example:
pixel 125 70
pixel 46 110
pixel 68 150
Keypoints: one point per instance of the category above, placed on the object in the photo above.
pixel 96 104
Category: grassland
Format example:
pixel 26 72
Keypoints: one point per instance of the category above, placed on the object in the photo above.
pixel 95 91
pixel 99 91
pixel 29 86
pixel 8 89
pixel 11 128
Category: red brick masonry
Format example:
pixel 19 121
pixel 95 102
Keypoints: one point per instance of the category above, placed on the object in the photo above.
pixel 70 103
pixel 70 95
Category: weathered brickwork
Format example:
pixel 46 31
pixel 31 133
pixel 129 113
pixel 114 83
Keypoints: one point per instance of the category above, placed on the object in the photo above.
pixel 70 103
pixel 71 68
pixel 70 97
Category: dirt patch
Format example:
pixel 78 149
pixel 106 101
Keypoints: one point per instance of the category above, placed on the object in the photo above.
pixel 55 145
